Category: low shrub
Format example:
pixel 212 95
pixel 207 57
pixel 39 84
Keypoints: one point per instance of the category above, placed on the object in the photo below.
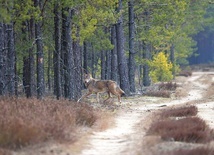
pixel 180 112
pixel 167 86
pixel 190 129
pixel 185 73
pixel 196 151
pixel 158 93
pixel 29 121
pixel 85 115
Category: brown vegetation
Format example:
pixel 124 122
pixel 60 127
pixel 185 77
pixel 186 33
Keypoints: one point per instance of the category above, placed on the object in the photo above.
pixel 190 129
pixel 185 73
pixel 196 151
pixel 168 86
pixel 180 112
pixel 160 93
pixel 163 89
pixel 30 121
pixel 186 129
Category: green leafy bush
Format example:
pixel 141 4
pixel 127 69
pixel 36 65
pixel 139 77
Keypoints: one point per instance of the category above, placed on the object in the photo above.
pixel 160 68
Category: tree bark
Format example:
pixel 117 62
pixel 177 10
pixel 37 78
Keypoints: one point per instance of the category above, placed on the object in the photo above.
pixel 49 79
pixel 114 66
pixel 68 55
pixel 2 60
pixel 146 53
pixel 132 65
pixel 85 57
pixel 57 53
pixel 93 61
pixel 32 59
pixel 122 62
pixel 77 68
pixel 11 60
pixel 40 56
pixel 103 64
pixel 108 65
pixel 28 60
pixel 146 56
pixel 172 59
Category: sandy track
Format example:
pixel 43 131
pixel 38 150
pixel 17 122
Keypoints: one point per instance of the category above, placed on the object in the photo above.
pixel 123 137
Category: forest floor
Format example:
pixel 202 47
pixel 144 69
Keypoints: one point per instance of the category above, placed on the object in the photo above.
pixel 127 130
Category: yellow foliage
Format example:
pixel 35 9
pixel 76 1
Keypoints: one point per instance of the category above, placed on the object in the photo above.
pixel 160 68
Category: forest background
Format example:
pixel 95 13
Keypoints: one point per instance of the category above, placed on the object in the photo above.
pixel 45 45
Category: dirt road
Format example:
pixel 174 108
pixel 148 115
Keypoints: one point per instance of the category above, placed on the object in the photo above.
pixel 124 137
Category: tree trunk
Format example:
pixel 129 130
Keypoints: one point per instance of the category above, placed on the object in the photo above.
pixel 108 65
pixel 103 64
pixel 93 61
pixel 172 59
pixel 2 60
pixel 114 66
pixel 11 60
pixel 122 62
pixel 146 56
pixel 77 68
pixel 146 53
pixel 85 57
pixel 131 47
pixel 32 77
pixel 40 56
pixel 68 55
pixel 49 80
pixel 28 61
pixel 26 76
pixel 57 54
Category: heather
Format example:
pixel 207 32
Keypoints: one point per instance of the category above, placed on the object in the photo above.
pixel 163 89
pixel 181 124
pixel 189 129
pixel 25 122
pixel 196 151
pixel 180 112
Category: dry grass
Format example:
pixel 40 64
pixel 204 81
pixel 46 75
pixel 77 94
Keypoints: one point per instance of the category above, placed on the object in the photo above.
pixel 180 112
pixel 163 89
pixel 185 73
pixel 190 129
pixel 25 122
pixel 168 86
pixel 196 151
pixel 185 129
pixel 160 93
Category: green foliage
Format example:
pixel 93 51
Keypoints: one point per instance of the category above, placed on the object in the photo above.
pixel 166 22
pixel 93 15
pixel 6 11
pixel 184 48
pixel 160 68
